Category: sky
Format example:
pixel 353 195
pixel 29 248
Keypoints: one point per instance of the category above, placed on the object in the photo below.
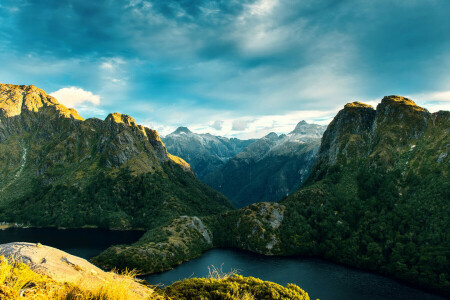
pixel 232 68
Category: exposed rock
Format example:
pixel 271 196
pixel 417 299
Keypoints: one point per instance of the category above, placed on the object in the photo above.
pixel 52 262
pixel 63 267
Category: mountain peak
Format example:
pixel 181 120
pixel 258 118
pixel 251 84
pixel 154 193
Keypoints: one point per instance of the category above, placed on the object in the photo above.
pixel 305 128
pixel 398 101
pixel 301 124
pixel 16 99
pixel 121 118
pixel 357 104
pixel 272 135
pixel 182 129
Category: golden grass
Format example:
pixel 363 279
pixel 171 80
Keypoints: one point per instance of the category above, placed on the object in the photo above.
pixel 18 281
pixel 218 273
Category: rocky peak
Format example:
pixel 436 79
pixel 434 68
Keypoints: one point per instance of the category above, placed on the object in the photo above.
pixel 394 102
pixel 182 129
pixel 357 104
pixel 17 99
pixel 310 130
pixel 121 118
pixel 271 136
pixel 348 128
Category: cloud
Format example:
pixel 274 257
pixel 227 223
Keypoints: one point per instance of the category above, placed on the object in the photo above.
pixel 433 101
pixel 74 96
pixel 240 125
pixel 232 60
pixel 217 125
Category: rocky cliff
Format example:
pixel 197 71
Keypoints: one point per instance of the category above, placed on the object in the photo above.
pixel 57 169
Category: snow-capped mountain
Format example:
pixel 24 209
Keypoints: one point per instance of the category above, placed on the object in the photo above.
pixel 270 168
pixel 204 152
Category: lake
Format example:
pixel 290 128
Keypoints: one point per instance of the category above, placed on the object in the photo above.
pixel 321 279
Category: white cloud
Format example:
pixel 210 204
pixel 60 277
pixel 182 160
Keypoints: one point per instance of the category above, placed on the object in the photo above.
pixel 259 126
pixel 111 64
pixel 217 125
pixel 240 125
pixel 74 96
pixel 433 101
pixel 262 7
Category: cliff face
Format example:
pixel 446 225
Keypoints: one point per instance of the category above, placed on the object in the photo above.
pixel 270 168
pixel 50 151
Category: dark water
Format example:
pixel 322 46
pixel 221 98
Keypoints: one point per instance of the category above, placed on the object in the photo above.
pixel 85 243
pixel 319 278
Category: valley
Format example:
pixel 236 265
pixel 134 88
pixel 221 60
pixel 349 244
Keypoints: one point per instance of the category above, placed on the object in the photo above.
pixel 371 193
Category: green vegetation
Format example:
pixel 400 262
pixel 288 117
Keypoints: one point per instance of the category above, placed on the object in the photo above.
pixel 160 248
pixel 58 170
pixel 233 288
pixel 376 199
pixel 122 201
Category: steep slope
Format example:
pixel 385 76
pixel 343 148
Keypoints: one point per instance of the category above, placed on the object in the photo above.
pixel 270 168
pixel 204 152
pixel 57 169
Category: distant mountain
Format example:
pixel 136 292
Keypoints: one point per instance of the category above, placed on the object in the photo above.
pixel 57 169
pixel 204 152
pixel 270 168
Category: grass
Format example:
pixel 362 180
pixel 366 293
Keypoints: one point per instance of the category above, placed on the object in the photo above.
pixel 18 281
pixel 219 274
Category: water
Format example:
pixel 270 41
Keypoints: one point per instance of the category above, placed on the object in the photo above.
pixel 319 278
pixel 85 243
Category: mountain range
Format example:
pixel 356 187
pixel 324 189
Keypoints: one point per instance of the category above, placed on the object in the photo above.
pixel 58 169
pixel 270 168
pixel 250 171
pixel 377 198
pixel 204 152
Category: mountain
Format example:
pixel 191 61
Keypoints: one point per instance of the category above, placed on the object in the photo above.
pixel 57 169
pixel 377 199
pixel 204 152
pixel 270 168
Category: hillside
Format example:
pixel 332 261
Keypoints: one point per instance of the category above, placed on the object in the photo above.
pixel 377 199
pixel 57 169
pixel 270 168
pixel 204 152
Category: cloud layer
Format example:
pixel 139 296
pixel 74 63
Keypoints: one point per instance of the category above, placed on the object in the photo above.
pixel 195 63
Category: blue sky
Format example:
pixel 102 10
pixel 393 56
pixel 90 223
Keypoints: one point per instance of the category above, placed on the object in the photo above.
pixel 234 68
